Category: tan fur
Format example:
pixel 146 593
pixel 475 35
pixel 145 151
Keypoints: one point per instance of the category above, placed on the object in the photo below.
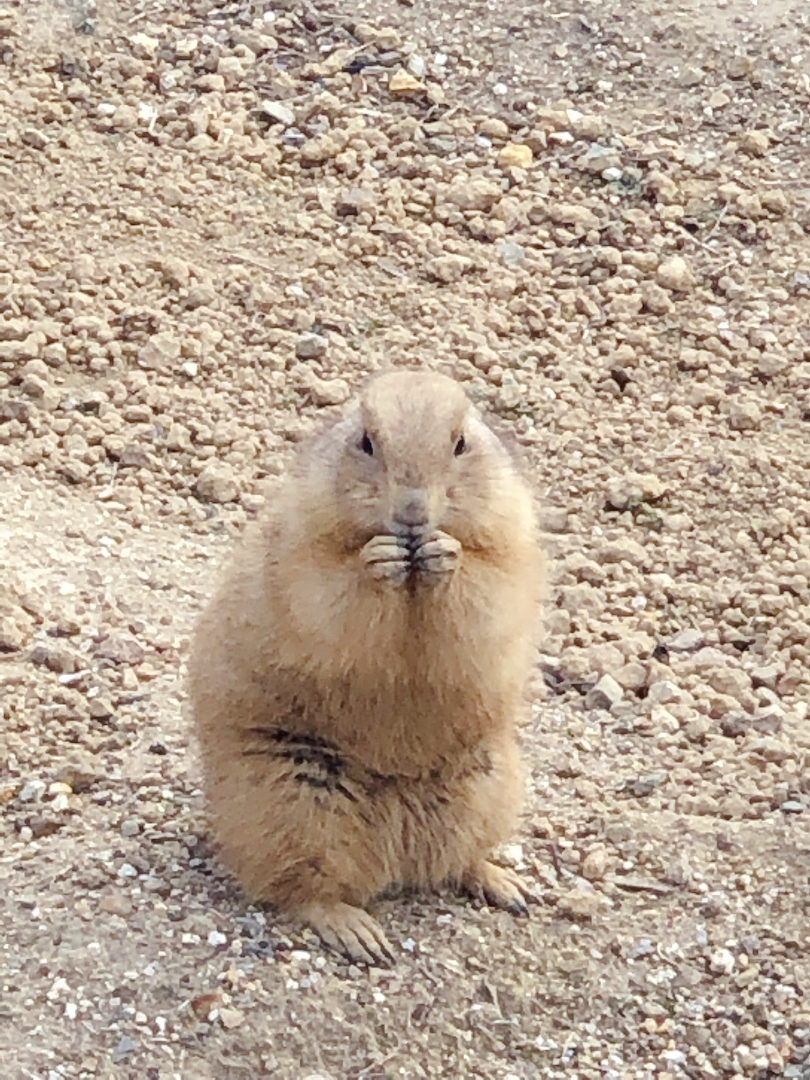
pixel 358 731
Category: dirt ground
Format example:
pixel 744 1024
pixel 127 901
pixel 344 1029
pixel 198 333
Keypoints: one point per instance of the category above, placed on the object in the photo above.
pixel 215 218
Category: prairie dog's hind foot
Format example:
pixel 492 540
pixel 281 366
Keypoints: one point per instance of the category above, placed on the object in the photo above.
pixel 350 931
pixel 498 887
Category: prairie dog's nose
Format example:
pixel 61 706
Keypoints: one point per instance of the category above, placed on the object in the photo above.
pixel 409 507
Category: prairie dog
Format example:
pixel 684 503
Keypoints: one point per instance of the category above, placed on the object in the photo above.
pixel 357 677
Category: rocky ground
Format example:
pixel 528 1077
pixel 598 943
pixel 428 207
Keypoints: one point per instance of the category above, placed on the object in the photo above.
pixel 215 218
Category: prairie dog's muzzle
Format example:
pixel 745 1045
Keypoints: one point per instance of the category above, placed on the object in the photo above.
pixel 410 508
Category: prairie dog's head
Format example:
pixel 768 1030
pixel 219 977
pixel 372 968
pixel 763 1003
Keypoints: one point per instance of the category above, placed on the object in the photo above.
pixel 411 456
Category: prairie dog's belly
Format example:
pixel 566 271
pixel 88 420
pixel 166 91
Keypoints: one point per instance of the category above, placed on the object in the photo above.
pixel 395 726
pixel 405 830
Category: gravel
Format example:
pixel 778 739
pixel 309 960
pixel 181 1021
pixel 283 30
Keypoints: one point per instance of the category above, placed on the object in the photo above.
pixel 216 219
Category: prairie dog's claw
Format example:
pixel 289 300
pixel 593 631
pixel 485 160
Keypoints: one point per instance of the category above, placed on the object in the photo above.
pixel 396 558
pixel 388 558
pixel 439 554
pixel 499 887
pixel 350 931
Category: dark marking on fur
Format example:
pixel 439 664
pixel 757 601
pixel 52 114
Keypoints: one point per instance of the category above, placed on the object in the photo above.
pixel 281 735
pixel 313 781
pixel 325 783
pixel 374 784
pixel 326 760
pixel 299 749
pixel 325 767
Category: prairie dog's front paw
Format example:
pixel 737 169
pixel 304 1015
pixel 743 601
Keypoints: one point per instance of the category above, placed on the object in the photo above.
pixel 439 555
pixel 388 558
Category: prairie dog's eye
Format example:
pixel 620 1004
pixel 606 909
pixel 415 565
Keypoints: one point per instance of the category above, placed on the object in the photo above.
pixel 366 445
pixel 461 446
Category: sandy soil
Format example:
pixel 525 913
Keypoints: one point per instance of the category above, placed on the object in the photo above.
pixel 214 220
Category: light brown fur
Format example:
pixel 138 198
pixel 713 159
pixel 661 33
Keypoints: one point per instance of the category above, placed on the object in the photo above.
pixel 357 677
